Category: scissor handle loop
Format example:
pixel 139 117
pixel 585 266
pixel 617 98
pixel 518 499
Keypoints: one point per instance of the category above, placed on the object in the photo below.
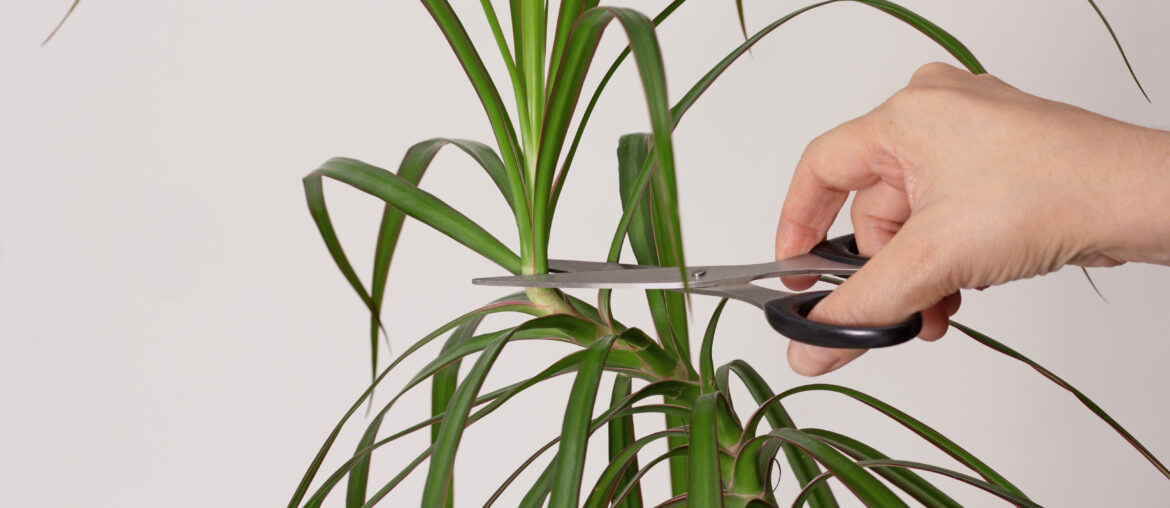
pixel 788 315
pixel 842 249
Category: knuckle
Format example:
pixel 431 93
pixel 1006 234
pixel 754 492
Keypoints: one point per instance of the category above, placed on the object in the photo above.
pixel 933 71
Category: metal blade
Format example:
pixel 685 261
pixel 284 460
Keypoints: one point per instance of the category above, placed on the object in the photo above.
pixel 637 277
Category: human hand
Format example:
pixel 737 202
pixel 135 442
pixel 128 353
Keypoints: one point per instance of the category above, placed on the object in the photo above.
pixel 966 182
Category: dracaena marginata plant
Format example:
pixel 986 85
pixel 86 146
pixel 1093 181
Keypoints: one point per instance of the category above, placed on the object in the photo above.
pixel 720 452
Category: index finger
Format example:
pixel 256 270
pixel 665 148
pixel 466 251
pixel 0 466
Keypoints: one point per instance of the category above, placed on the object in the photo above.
pixel 844 159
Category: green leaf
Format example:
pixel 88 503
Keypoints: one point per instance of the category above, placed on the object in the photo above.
pixel 802 466
pixel 443 387
pixel 485 88
pixel 938 35
pixel 905 479
pixel 673 388
pixel 575 428
pixel 925 431
pixel 622 435
pixel 622 361
pixel 739 14
pixel 607 483
pixel 633 484
pixel 413 201
pixel 438 479
pixel 706 366
pixel 540 489
pixel 1003 348
pixel 865 487
pixel 1119 49
pixel 667 308
pixel 414 164
pixel 559 184
pixel 567 15
pixel 62 22
pixel 533 17
pixel 884 464
pixel 502 305
pixel 444 382
pixel 705 481
pixel 582 44
pixel 489 12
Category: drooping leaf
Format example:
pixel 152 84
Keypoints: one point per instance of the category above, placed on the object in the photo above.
pixel 541 488
pixel 62 22
pixel 607 483
pixel 633 484
pixel 502 305
pixel 882 464
pixel 1003 348
pixel 413 201
pixel 905 479
pixel 861 483
pixel 1120 50
pixel 674 389
pixel 929 434
pixel 412 168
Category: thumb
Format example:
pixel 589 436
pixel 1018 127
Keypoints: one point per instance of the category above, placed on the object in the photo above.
pixel 905 277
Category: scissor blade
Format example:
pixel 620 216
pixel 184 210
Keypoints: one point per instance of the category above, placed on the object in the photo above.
pixel 637 277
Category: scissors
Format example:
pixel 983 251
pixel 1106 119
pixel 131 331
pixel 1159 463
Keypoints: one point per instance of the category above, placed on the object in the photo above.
pixel 786 312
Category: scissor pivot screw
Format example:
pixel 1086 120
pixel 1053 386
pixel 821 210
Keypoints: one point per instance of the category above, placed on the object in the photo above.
pixel 698 274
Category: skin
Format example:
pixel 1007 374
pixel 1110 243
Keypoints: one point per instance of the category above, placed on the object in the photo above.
pixel 963 181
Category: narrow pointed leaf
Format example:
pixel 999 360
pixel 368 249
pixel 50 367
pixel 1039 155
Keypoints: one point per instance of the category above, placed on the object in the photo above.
pixel 925 431
pixel 416 203
pixel 582 44
pixel 559 184
pixel 706 366
pixel 435 491
pixel 607 483
pixel 905 479
pixel 668 309
pixel 1119 49
pixel 62 22
pixel 885 464
pixel 575 429
pixel 485 88
pixel 868 489
pixel 502 305
pixel 1003 348
pixel 633 484
pixel 670 388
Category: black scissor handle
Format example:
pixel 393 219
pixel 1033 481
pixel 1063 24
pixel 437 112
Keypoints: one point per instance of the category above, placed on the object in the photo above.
pixel 788 315
pixel 842 249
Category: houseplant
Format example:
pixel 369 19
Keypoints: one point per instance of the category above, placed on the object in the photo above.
pixel 727 454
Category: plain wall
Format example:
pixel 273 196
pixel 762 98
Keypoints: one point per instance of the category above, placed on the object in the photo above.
pixel 175 334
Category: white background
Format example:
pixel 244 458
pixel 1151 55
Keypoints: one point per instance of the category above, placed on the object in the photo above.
pixel 175 334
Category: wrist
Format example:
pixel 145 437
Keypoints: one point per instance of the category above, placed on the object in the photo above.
pixel 1136 222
